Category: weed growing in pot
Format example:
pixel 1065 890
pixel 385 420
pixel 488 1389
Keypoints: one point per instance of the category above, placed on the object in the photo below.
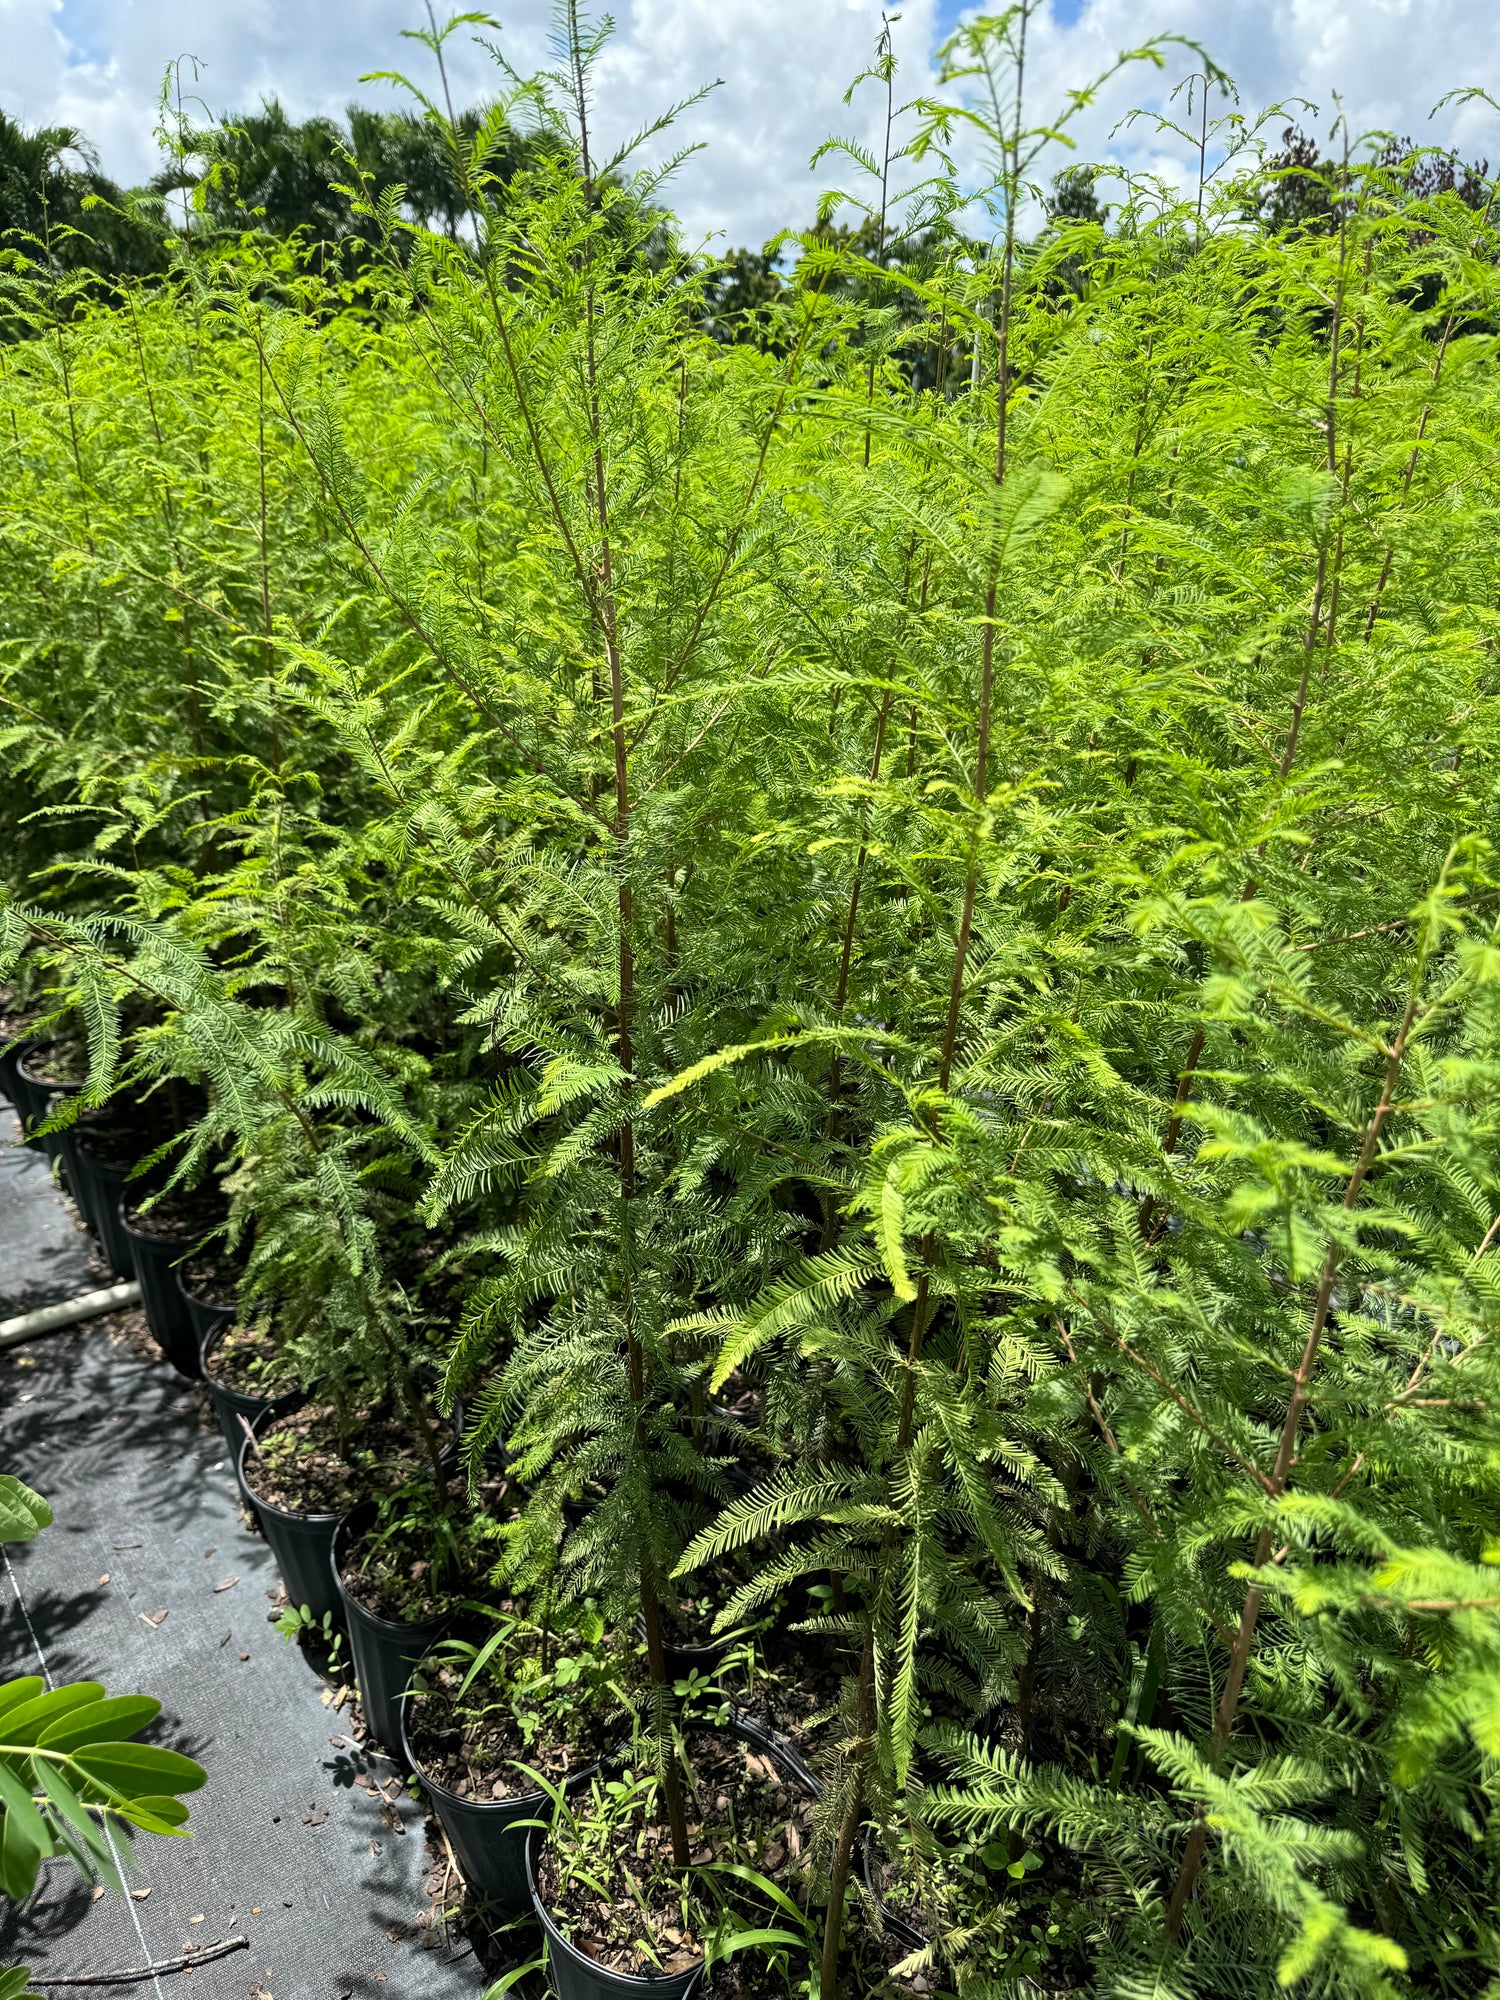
pixel 418 1556
pixel 298 1625
pixel 545 1699
pixel 608 1879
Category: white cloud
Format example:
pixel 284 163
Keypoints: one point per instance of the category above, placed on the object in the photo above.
pixel 785 64
pixel 1387 61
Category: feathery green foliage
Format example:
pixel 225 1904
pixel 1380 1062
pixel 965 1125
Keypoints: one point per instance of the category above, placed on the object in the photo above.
pixel 932 867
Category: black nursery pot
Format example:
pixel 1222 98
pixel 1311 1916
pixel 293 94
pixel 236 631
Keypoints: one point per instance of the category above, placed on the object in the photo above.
pixel 33 1094
pixel 895 1926
pixel 231 1406
pixel 573 1975
pixel 206 1320
pixel 576 1976
pixel 156 1258
pixel 98 1186
pixel 301 1543
pixel 384 1650
pixel 680 1661
pixel 9 1064
pixel 488 1836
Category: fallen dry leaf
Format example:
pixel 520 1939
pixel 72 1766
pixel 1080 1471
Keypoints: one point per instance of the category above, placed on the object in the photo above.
pixel 152 1618
pixel 195 1920
pixel 228 1584
pixel 105 1577
pixel 139 1895
pixel 98 1891
pixel 313 1818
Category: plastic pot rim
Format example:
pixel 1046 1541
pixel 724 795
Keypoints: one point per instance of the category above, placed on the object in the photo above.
pixel 35 1048
pixel 749 1729
pixel 195 1298
pixel 270 1506
pixel 79 1136
pixel 395 1628
pixel 776 1745
pixel 280 1404
pixel 294 1400
pixel 158 1241
pixel 629 1982
pixel 695 1655
pixel 440 1790
pixel 903 1931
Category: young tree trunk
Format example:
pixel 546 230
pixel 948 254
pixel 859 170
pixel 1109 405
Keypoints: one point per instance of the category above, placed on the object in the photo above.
pixel 1281 1471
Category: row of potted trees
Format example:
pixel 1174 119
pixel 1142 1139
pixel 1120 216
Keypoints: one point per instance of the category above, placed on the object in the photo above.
pixel 526 1718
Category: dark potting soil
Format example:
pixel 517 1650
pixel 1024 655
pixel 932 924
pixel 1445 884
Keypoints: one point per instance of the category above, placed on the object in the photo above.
pixel 249 1361
pixel 691 1612
pixel 304 1466
pixel 741 1808
pixel 739 1400
pixel 471 1743
pixel 15 1021
pixel 792 1682
pixel 112 1141
pixel 212 1278
pixel 690 1620
pixel 64 1061
pixel 179 1216
pixel 416 1568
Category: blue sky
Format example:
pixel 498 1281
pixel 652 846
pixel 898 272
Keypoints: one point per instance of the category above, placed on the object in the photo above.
pixel 1064 12
pixel 785 64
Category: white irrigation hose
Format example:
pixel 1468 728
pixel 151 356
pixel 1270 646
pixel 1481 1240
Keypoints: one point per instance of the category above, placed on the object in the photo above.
pixel 51 1319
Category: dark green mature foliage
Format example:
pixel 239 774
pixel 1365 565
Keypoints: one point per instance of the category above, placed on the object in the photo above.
pixel 936 862
pixel 55 202
pixel 1301 185
pixel 268 171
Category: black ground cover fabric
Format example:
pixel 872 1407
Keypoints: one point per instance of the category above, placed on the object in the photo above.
pixel 293 1844
pixel 44 1256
